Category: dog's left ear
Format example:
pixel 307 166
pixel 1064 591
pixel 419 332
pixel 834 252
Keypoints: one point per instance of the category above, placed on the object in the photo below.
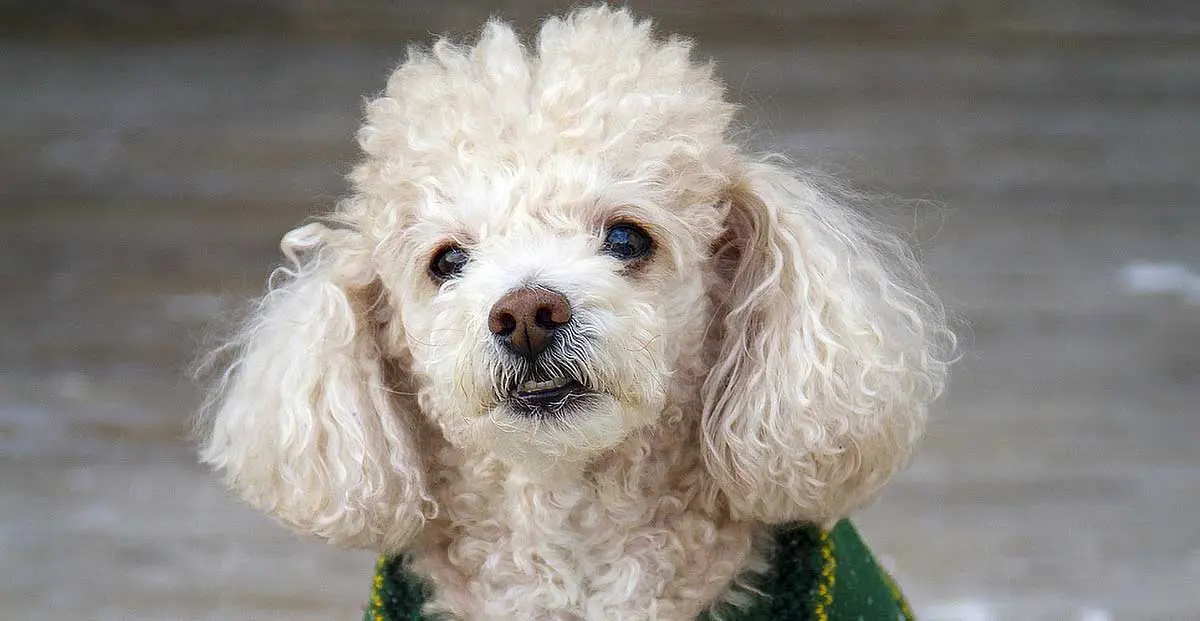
pixel 310 422
pixel 832 346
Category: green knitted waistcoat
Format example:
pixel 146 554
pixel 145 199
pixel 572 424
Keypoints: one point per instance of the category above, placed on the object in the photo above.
pixel 815 575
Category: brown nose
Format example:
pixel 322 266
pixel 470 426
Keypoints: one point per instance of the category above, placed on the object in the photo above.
pixel 525 319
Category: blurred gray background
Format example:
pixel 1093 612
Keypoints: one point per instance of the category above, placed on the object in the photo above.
pixel 153 152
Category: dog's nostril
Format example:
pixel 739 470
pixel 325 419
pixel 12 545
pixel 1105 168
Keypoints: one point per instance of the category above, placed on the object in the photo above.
pixel 502 324
pixel 550 317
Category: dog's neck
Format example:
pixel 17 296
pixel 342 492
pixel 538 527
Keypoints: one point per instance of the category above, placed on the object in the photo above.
pixel 638 533
pixel 663 459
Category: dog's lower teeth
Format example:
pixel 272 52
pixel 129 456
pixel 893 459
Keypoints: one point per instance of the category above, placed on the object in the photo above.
pixel 553 384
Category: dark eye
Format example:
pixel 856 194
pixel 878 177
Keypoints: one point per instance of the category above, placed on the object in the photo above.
pixel 448 262
pixel 627 242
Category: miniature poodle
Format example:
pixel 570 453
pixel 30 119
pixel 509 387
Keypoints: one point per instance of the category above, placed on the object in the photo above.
pixel 567 349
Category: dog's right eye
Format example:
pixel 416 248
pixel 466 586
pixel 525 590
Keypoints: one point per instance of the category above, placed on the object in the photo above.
pixel 628 242
pixel 448 263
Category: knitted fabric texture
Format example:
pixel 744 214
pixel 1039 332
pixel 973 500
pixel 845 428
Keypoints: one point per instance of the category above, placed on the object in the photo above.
pixel 815 575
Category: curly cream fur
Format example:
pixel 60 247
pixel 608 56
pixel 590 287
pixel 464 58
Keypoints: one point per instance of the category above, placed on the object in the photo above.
pixel 772 362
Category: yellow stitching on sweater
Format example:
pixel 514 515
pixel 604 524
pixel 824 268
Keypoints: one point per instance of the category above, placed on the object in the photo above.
pixel 377 591
pixel 898 595
pixel 828 577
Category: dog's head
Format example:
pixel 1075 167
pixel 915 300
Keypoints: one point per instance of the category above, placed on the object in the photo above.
pixel 549 249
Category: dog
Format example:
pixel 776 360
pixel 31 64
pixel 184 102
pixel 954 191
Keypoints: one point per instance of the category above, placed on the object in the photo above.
pixel 567 350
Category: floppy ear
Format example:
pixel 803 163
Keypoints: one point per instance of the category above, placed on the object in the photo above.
pixel 307 423
pixel 831 348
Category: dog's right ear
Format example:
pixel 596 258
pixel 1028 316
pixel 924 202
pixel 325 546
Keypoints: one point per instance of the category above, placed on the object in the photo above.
pixel 306 422
pixel 832 347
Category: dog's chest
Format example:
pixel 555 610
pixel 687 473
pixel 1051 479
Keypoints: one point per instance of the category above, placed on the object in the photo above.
pixel 520 552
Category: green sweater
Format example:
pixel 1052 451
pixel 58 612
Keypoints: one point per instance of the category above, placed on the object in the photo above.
pixel 815 576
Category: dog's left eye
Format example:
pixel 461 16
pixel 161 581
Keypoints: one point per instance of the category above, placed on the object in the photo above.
pixel 448 262
pixel 627 242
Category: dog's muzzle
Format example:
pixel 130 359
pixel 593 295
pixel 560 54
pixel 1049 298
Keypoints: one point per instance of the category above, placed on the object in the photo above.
pixel 528 322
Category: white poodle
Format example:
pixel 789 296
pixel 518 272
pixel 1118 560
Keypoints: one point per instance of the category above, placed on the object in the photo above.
pixel 567 347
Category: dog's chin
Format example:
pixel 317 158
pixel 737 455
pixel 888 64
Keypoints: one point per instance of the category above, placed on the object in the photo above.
pixel 573 426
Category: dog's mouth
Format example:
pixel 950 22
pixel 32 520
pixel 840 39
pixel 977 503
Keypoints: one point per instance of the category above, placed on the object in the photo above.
pixel 551 396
